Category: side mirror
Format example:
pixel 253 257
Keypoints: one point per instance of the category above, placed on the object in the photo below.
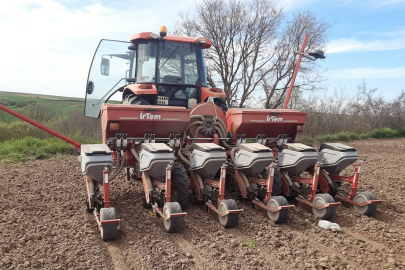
pixel 90 88
pixel 317 54
pixel 132 47
pixel 105 66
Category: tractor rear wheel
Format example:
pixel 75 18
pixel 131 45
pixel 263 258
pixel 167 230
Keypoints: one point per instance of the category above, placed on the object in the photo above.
pixel 180 178
pixel 221 104
pixel 230 220
pixel 108 230
pixel 133 99
pixel 368 209
pixel 324 213
pixel 173 224
pixel 279 216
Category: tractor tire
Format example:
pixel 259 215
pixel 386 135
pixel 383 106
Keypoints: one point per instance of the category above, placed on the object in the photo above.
pixel 108 231
pixel 280 216
pixel 180 178
pixel 230 220
pixel 277 184
pixel 325 213
pixel 369 209
pixel 173 224
pixel 133 99
pixel 221 104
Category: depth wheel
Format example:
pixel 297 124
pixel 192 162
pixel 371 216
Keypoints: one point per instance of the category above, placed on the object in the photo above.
pixel 368 209
pixel 230 220
pixel 173 224
pixel 280 216
pixel 109 230
pixel 325 213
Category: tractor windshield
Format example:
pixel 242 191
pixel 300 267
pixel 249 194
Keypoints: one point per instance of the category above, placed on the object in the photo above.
pixel 177 63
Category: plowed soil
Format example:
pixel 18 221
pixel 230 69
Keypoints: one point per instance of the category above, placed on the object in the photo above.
pixel 44 225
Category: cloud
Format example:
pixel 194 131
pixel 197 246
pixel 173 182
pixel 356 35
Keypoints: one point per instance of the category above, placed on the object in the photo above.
pixel 47 47
pixel 368 73
pixel 355 45
pixel 382 3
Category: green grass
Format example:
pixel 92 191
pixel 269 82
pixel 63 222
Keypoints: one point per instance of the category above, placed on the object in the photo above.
pixel 359 240
pixel 343 263
pixel 251 243
pixel 379 133
pixel 59 105
pixel 30 148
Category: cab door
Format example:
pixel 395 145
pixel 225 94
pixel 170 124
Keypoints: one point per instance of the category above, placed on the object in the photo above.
pixel 113 63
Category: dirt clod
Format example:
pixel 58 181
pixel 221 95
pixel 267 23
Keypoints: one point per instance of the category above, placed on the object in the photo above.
pixel 44 225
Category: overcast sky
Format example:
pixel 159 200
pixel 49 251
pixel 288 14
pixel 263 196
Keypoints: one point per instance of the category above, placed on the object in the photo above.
pixel 47 45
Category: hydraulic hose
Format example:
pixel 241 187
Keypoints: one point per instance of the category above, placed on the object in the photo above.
pixel 220 128
pixel 136 156
pixel 183 157
pixel 196 133
pixel 116 167
pixel 193 124
pixel 219 125
pixel 222 136
pixel 233 154
pixel 222 124
pixel 122 165
pixel 197 116
pixel 199 180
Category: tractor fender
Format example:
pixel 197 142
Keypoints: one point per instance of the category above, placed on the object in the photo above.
pixel 206 92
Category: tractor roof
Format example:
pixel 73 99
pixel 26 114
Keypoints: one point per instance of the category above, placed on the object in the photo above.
pixel 147 35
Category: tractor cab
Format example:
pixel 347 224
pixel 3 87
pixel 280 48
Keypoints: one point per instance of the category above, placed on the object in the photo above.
pixel 151 69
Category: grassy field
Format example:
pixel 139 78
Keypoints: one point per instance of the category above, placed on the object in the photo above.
pixel 59 105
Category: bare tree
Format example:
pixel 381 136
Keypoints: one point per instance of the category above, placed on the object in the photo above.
pixel 253 52
pixel 241 33
pixel 277 82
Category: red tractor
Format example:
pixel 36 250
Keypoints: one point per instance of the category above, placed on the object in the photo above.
pixel 152 69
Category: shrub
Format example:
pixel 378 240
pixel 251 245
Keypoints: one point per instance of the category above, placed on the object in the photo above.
pixel 383 133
